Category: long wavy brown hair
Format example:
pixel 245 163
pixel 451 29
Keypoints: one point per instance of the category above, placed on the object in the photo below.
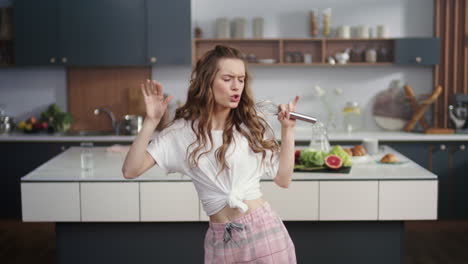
pixel 200 107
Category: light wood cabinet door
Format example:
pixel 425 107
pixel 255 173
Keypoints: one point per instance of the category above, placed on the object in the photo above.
pixel 50 202
pixel 408 200
pixel 348 200
pixel 113 202
pixel 169 201
pixel 298 202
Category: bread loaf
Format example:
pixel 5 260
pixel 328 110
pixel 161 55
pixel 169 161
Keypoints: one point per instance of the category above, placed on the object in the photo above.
pixel 358 150
pixel 389 158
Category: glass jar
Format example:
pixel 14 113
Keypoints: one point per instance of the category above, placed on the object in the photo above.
pixel 319 139
pixel 352 119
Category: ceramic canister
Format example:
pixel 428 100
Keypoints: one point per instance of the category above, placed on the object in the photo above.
pixel 238 28
pixel 363 31
pixel 344 31
pixel 222 28
pixel 381 31
pixel 257 27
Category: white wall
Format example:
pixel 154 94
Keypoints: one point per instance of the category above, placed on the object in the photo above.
pixel 25 90
pixel 404 18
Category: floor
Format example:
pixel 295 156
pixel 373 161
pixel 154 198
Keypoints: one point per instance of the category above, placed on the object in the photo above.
pixel 426 242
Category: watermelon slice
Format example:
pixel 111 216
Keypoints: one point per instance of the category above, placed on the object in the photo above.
pixel 333 162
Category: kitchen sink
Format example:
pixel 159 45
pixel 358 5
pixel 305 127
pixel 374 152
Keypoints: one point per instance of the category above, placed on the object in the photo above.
pixel 83 133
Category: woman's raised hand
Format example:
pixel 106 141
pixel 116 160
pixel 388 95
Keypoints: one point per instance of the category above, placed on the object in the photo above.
pixel 155 102
pixel 283 113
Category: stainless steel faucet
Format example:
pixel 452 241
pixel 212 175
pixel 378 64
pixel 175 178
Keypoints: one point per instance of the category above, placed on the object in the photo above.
pixel 115 125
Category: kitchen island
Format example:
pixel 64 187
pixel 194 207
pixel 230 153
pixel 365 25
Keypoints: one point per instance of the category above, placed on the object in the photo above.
pixel 332 217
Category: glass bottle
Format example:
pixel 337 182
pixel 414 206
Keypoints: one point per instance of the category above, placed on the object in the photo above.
pixel 352 119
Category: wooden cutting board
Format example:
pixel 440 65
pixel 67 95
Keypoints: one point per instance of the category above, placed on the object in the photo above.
pixel 136 104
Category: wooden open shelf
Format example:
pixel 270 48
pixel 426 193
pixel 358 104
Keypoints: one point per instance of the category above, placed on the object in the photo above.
pixel 290 51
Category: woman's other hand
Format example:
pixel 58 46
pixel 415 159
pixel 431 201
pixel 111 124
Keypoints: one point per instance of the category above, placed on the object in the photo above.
pixel 155 103
pixel 283 113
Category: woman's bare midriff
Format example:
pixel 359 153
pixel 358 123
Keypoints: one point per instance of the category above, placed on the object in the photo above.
pixel 227 214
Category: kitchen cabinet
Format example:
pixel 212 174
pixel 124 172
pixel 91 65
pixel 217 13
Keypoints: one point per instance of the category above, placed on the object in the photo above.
pixel 407 200
pixel 36 32
pixel 168 32
pixel 290 52
pixel 348 200
pixel 20 158
pixel 417 51
pixel 51 202
pixel 299 202
pixel 459 171
pixel 112 201
pixel 449 161
pixel 169 201
pixel 102 33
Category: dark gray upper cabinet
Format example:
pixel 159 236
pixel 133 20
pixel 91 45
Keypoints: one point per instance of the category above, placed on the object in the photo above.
pixel 169 27
pixel 417 51
pixel 103 32
pixel 36 32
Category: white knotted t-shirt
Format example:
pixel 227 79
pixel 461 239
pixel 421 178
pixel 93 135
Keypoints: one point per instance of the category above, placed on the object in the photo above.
pixel 239 182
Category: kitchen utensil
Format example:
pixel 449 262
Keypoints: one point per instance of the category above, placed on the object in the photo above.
pixel 270 108
pixel 342 57
pixel 132 124
pixel 6 124
pixel 458 113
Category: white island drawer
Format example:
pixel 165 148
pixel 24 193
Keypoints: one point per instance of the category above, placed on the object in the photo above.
pixel 298 202
pixel 169 201
pixel 112 202
pixel 50 202
pixel 348 200
pixel 408 200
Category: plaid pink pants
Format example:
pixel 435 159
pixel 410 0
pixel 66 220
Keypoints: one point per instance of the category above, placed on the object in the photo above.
pixel 258 237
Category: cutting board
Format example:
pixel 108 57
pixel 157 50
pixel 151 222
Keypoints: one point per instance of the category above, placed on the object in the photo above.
pixel 323 169
pixel 136 103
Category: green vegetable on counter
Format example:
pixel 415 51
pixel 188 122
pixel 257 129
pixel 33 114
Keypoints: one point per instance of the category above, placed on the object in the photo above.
pixel 345 157
pixel 310 157
pixel 60 120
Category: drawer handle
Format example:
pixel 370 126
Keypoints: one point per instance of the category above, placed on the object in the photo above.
pixel 418 59
pixel 153 59
pixel 52 60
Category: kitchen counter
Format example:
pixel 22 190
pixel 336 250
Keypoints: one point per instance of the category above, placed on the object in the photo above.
pixel 102 209
pixel 66 168
pixel 302 134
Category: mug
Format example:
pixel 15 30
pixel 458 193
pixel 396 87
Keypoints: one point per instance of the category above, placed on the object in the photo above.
pixel 371 145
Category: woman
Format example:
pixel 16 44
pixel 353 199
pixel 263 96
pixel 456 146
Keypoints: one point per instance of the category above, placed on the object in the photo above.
pixel 218 139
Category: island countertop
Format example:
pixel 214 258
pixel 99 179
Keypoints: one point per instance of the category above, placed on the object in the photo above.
pixel 301 134
pixel 66 167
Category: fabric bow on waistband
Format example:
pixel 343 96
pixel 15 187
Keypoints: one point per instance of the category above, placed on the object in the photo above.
pixel 228 230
